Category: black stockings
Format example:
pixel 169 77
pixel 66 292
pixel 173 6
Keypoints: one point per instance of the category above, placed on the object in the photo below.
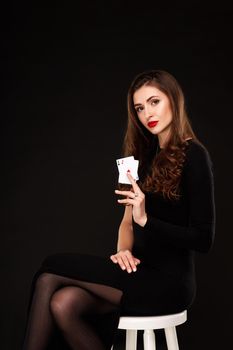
pixel 71 306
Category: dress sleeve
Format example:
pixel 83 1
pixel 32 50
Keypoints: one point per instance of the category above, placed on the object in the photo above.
pixel 199 185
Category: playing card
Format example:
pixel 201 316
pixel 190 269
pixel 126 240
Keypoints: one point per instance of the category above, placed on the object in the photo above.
pixel 131 167
pixel 121 162
pixel 127 164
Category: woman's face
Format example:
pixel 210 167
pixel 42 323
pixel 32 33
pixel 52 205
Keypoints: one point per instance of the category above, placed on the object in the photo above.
pixel 154 111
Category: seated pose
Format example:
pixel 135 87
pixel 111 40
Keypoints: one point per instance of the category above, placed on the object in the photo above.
pixel 169 215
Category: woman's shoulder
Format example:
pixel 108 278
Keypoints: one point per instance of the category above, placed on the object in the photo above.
pixel 197 153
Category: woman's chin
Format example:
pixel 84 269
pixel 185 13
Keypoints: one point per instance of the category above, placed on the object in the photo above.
pixel 153 131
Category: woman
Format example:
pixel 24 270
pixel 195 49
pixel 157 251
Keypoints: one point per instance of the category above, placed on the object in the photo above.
pixel 169 215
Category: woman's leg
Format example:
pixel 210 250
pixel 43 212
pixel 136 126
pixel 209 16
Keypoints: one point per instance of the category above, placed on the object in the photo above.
pixel 71 307
pixel 41 322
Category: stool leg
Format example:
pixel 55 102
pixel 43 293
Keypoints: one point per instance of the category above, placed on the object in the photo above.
pixel 131 339
pixel 149 339
pixel 171 338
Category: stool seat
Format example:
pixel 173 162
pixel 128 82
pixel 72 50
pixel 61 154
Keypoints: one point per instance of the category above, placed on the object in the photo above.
pixel 150 323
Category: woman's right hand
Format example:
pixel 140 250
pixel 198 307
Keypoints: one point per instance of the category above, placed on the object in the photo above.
pixel 126 260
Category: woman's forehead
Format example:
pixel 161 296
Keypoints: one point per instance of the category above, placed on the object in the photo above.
pixel 145 92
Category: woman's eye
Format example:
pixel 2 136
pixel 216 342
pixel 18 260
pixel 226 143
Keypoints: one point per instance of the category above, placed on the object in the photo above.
pixel 139 109
pixel 154 102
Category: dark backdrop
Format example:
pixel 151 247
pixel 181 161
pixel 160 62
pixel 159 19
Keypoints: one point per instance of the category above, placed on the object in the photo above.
pixel 66 72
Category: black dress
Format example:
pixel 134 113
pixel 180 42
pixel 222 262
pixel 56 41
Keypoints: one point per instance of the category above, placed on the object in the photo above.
pixel 165 280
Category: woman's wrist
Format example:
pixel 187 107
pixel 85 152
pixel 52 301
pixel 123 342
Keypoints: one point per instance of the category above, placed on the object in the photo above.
pixel 123 250
pixel 143 221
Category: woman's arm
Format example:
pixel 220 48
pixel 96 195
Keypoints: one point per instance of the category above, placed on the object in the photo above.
pixel 125 232
pixel 124 257
pixel 199 186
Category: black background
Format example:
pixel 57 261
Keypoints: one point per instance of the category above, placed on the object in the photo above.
pixel 66 72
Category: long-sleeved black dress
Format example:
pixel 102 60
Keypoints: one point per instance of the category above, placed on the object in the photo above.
pixel 164 282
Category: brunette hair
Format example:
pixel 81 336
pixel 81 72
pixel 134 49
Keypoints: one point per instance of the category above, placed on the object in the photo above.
pixel 165 167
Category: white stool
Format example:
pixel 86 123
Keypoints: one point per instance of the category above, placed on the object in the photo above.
pixel 148 324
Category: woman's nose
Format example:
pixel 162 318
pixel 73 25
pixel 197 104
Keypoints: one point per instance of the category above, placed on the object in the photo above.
pixel 148 112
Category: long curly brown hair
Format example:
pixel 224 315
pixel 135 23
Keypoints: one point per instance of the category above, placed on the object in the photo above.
pixel 161 172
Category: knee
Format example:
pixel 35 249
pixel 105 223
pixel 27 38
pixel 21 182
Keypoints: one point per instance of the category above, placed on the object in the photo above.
pixel 61 304
pixel 44 280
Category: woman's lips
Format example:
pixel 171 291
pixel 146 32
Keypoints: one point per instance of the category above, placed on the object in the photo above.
pixel 152 124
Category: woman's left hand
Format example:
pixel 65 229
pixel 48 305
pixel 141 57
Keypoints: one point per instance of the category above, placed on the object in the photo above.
pixel 136 198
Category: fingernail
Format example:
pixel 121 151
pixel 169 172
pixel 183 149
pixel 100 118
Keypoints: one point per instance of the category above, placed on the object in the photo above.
pixel 129 270
pixel 123 268
pixel 135 270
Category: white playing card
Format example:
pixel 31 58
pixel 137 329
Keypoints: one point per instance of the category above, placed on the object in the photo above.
pixel 121 162
pixel 131 167
pixel 127 164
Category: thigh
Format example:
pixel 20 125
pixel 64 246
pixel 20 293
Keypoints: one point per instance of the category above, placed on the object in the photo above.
pixel 74 299
pixel 110 294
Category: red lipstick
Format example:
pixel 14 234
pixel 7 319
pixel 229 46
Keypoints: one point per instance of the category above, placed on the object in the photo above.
pixel 152 124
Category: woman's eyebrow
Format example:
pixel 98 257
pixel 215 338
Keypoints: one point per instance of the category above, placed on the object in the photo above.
pixel 139 104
